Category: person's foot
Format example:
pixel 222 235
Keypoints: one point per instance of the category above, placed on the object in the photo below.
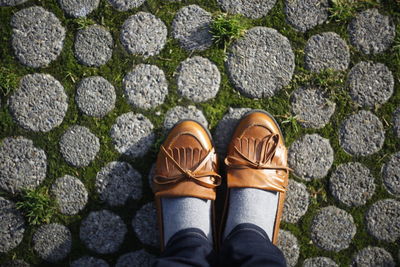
pixel 257 174
pixel 185 180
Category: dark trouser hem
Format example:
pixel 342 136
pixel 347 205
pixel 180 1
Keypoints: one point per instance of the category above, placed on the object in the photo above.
pixel 246 245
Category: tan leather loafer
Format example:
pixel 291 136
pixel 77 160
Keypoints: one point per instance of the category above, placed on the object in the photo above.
pixel 186 166
pixel 257 158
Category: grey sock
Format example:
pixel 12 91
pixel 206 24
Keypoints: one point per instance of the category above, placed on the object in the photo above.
pixel 252 205
pixel 186 212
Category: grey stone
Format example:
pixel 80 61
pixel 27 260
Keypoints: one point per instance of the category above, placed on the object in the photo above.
pixel 370 83
pixel 52 242
pixel 125 5
pixel 191 27
pixel 38 36
pixel 145 225
pixel 311 157
pixel 370 32
pixel 136 258
pixel 117 182
pixel 178 113
pixel 16 263
pixel 373 256
pixel 383 220
pixel 391 174
pixel 93 46
pixel 145 86
pixel 250 8
pixel 304 15
pixel 87 261
pixel 70 194
pixel 352 184
pixel 11 2
pixel 332 229
pixel 12 226
pixel 362 134
pixel 40 103
pixel 132 134
pixel 312 107
pixel 261 62
pixel 79 146
pixel 198 79
pixel 396 122
pixel 326 51
pixel 296 202
pixel 319 262
pixel 21 165
pixel 143 34
pixel 95 96
pixel 289 245
pixel 78 8
pixel 225 128
pixel 102 231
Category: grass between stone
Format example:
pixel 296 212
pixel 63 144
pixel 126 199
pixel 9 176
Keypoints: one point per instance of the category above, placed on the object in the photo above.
pixel 68 71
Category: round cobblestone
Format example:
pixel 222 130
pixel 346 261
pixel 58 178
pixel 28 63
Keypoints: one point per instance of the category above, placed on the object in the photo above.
pixel 250 8
pixel 370 32
pixel 312 107
pixel 191 27
pixel 178 113
pixel 11 2
pixel 40 103
pixel 78 8
pixel 370 83
pixel 362 134
pixel 198 79
pixel 21 165
pixel 70 194
pixel 38 36
pixel 296 202
pixel 125 5
pixel 145 86
pixel 12 226
pixel 311 157
pixel 93 46
pixel 145 225
pixel 332 229
pixel 102 231
pixel 136 258
pixel 16 263
pixel 396 122
pixel 352 184
pixel 260 63
pixel 143 34
pixel 373 256
pixel 52 242
pixel 383 220
pixel 79 146
pixel 87 261
pixel 391 174
pixel 326 51
pixel 306 14
pixel 132 134
pixel 288 244
pixel 319 262
pixel 95 96
pixel 117 182
pixel 225 128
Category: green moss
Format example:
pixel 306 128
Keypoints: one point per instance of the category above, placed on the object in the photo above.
pixel 69 72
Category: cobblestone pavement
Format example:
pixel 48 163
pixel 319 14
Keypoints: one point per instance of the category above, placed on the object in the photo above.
pixel 90 88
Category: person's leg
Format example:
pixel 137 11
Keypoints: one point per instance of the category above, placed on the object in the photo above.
pixel 248 245
pixel 188 247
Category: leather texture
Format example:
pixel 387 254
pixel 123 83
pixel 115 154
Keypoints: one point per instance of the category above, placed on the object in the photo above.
pixel 186 166
pixel 257 158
